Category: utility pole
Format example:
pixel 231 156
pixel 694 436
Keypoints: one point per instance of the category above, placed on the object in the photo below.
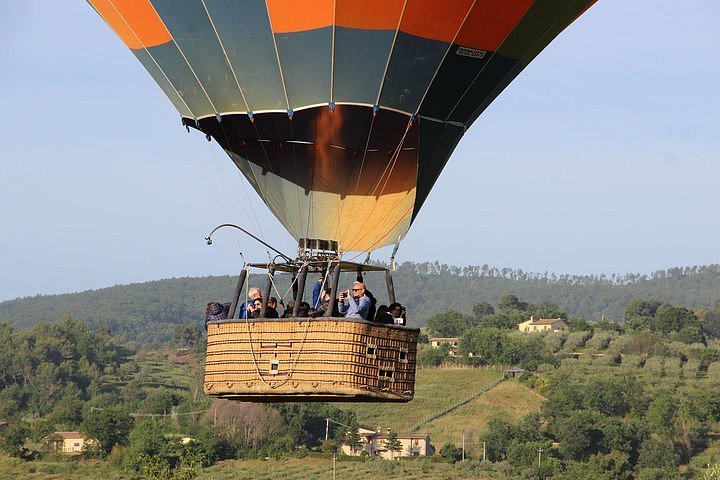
pixel 327 428
pixel 539 455
pixel 484 452
pixel 463 446
pixel 333 465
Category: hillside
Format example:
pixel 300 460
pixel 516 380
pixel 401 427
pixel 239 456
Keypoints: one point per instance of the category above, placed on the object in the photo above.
pixel 639 400
pixel 439 388
pixel 146 312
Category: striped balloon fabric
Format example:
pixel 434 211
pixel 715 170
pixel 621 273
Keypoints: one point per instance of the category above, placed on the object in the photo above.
pixel 340 113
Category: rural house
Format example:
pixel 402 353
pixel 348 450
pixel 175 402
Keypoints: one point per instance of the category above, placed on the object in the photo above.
pixel 373 442
pixel 542 325
pixel 69 442
pixel 450 342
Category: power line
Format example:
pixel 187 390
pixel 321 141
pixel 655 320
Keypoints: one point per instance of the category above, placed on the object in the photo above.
pixel 153 415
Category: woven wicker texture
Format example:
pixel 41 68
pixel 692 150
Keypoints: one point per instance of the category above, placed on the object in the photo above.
pixel 310 359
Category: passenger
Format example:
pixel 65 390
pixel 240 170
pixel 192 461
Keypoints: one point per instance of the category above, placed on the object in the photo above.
pixel 373 304
pixel 289 309
pixel 398 313
pixel 254 294
pixel 317 288
pixel 320 310
pixel 255 308
pixel 304 309
pixel 271 310
pixel 356 305
pixel 216 311
pixel 383 316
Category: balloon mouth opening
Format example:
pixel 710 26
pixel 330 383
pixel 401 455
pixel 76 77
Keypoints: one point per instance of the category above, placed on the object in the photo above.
pixel 317 248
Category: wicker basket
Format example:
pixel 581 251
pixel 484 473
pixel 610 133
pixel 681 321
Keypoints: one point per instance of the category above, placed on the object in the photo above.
pixel 316 359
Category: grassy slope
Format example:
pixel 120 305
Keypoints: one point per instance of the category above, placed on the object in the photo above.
pixel 439 388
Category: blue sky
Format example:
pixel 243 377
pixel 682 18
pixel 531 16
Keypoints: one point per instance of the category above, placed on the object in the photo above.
pixel 602 157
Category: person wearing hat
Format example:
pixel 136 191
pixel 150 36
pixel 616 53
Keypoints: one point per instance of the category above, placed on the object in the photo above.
pixel 216 311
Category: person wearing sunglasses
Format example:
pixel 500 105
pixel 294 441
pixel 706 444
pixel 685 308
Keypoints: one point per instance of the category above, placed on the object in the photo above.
pixel 245 310
pixel 356 305
pixel 398 313
pixel 254 308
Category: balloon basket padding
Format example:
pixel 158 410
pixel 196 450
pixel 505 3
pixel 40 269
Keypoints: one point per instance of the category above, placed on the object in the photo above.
pixel 310 359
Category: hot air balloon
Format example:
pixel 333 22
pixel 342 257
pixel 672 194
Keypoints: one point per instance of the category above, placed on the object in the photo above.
pixel 340 113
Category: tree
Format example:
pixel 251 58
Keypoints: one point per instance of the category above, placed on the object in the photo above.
pixel 12 440
pixel 506 319
pixel 711 325
pixel 392 444
pixel 352 438
pixel 431 356
pixel 148 448
pixel 510 301
pixel 548 310
pixel 642 308
pixel 449 450
pixel 482 309
pixel 670 318
pixel 655 453
pixel 639 313
pixel 248 426
pixel 187 335
pixel 611 466
pixel 578 434
pixel 500 434
pixel 712 472
pixel 109 426
pixel 449 323
pixel 485 344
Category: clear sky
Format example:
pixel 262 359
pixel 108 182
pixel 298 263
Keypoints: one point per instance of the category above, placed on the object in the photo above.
pixel 603 156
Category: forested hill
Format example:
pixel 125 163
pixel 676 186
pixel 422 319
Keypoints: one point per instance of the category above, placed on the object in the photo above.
pixel 147 312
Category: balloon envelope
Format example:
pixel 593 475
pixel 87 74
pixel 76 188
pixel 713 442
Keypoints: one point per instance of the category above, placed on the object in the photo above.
pixel 340 113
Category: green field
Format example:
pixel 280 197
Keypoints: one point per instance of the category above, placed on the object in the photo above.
pixel 284 469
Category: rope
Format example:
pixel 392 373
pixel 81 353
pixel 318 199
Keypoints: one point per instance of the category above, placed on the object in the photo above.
pixel 153 415
pixel 294 364
pixel 391 164
pixel 372 123
pixel 277 291
pixel 407 212
pixel 252 349
pixel 247 107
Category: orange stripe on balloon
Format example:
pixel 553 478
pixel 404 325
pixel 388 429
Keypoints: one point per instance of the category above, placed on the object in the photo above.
pixel 435 20
pixel 490 22
pixel 135 21
pixel 368 14
pixel 287 16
